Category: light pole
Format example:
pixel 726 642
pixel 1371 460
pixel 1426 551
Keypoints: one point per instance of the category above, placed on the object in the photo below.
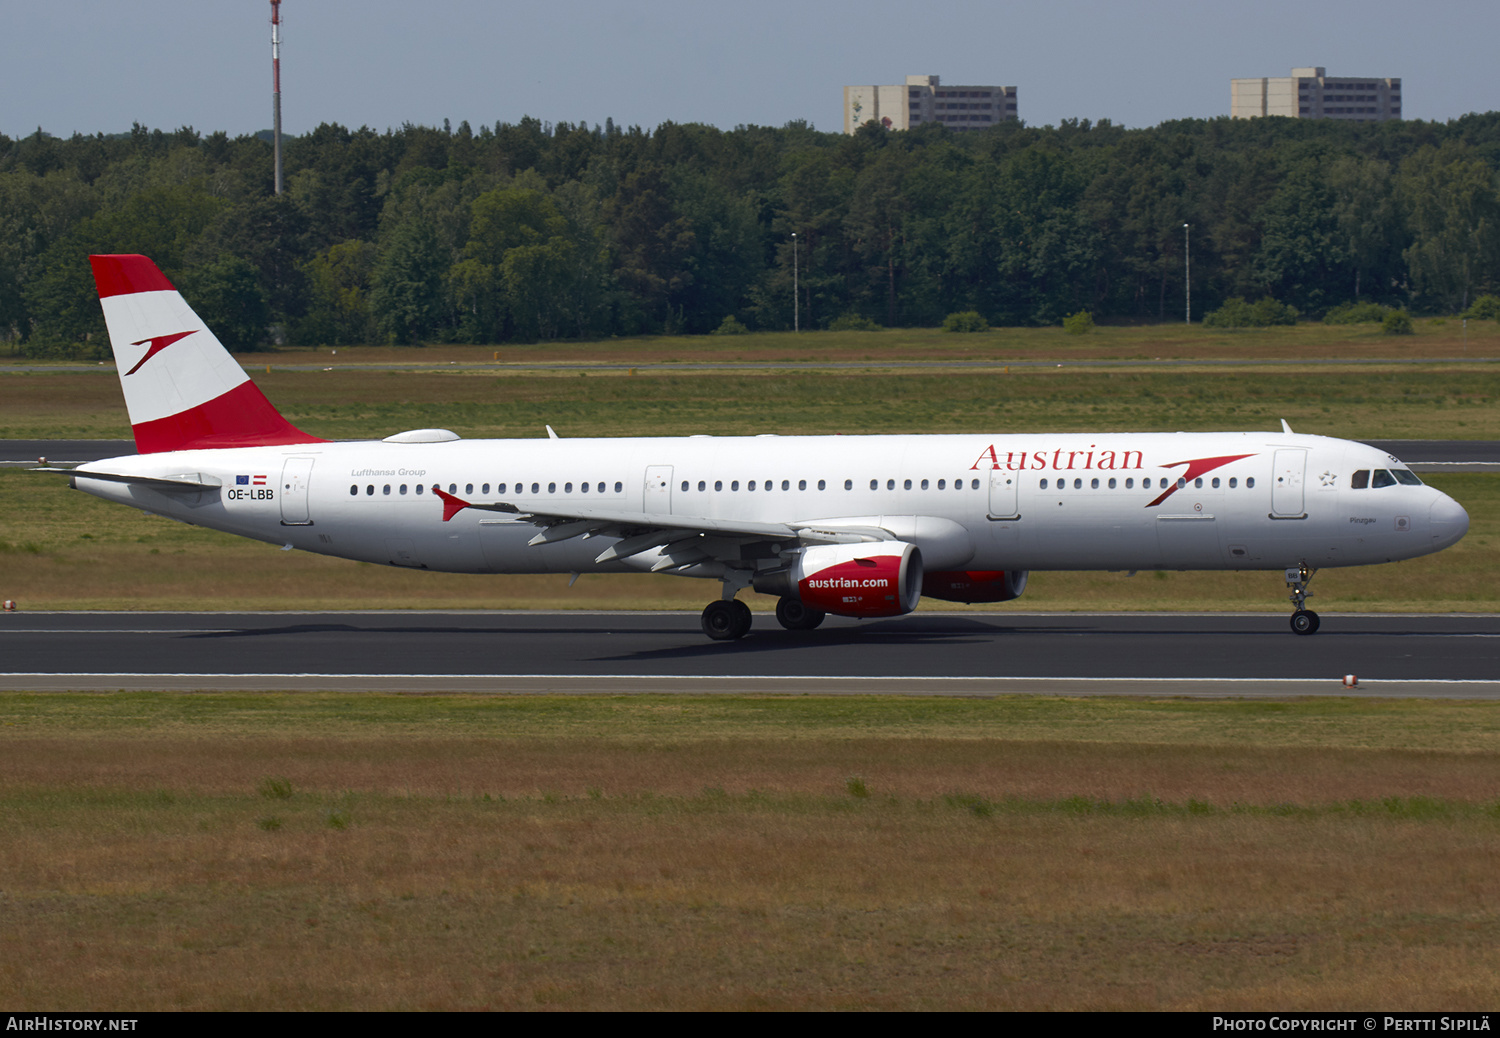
pixel 1187 271
pixel 796 299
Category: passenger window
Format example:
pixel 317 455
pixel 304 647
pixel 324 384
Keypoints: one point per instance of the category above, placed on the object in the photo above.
pixel 403 489
pixel 1094 483
pixel 750 485
pixel 420 488
pixel 1216 482
pixel 874 484
pixel 1130 483
pixel 584 487
pixel 353 490
pixel 942 484
pixel 499 488
pixel 1233 482
pixel 536 488
pixel 370 490
pixel 1111 482
pixel 1383 479
pixel 567 488
pixel 387 490
pixel 734 485
pixel 684 485
pixel 786 484
pixel 848 484
pixel 906 485
pixel 1077 484
pixel 485 489
pixel 822 485
pixel 468 488
pixel 718 484
pixel 551 488
pixel 802 484
pixel 702 485
pixel 1360 480
pixel 1044 483
pixel 1250 483
pixel 619 487
pixel 976 484
pixel 890 484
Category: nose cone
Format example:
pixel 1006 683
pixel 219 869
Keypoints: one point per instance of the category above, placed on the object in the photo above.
pixel 1449 521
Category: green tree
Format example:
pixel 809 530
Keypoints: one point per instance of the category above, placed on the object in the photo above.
pixel 1454 216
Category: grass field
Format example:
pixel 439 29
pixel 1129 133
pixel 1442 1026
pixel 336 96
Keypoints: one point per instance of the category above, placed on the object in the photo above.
pixel 1434 338
pixel 1367 401
pixel 168 851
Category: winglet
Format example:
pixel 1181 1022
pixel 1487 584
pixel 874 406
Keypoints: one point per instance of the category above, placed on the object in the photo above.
pixel 451 505
pixel 1286 428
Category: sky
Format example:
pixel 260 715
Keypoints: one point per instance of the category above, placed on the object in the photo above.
pixel 100 65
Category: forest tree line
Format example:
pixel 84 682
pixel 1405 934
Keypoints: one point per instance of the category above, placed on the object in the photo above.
pixel 531 231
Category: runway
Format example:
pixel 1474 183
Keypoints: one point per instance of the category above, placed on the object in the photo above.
pixel 965 654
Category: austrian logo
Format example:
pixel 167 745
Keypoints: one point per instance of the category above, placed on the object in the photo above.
pixel 158 343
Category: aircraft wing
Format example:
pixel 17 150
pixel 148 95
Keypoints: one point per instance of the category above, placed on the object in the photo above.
pixel 644 531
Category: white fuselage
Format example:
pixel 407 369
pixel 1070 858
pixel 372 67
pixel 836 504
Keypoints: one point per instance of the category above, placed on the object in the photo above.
pixel 1117 501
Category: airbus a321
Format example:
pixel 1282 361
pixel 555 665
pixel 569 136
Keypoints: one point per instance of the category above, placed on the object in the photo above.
pixel 859 526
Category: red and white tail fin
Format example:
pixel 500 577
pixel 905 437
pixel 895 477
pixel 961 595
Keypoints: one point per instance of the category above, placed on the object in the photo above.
pixel 182 388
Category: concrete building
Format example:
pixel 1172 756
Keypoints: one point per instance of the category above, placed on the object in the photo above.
pixel 1309 93
pixel 923 99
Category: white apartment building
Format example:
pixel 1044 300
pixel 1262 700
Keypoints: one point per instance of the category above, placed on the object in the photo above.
pixel 1310 93
pixel 923 99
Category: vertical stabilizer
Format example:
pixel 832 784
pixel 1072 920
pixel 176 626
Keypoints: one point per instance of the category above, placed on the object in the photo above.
pixel 182 388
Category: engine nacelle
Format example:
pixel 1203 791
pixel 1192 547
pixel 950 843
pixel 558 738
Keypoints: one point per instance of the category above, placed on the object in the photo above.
pixel 975 585
pixel 874 578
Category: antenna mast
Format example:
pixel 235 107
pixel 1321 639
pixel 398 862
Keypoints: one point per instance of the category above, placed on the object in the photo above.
pixel 276 86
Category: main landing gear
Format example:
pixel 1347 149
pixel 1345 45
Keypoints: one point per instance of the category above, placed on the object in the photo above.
pixel 726 619
pixel 795 616
pixel 729 618
pixel 1304 621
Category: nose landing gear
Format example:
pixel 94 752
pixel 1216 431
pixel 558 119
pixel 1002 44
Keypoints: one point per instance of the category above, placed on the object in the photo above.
pixel 1304 621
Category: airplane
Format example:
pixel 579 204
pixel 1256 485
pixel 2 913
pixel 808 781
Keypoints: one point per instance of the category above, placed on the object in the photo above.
pixel 855 526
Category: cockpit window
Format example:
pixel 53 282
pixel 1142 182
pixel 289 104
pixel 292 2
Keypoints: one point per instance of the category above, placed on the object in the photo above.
pixel 1383 479
pixel 1360 480
pixel 1407 478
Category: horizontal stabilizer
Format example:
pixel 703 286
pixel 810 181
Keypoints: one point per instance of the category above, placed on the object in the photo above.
pixel 193 481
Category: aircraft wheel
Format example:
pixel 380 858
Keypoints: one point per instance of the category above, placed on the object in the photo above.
pixel 742 618
pixel 725 621
pixel 1305 621
pixel 795 616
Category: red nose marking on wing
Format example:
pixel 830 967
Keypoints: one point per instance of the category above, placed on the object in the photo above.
pixel 451 505
pixel 158 343
pixel 1195 468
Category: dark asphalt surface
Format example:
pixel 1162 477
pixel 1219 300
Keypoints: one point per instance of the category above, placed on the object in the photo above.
pixel 920 646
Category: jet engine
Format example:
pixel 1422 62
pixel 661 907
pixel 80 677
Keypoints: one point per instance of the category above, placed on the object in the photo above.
pixel 873 578
pixel 975 585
